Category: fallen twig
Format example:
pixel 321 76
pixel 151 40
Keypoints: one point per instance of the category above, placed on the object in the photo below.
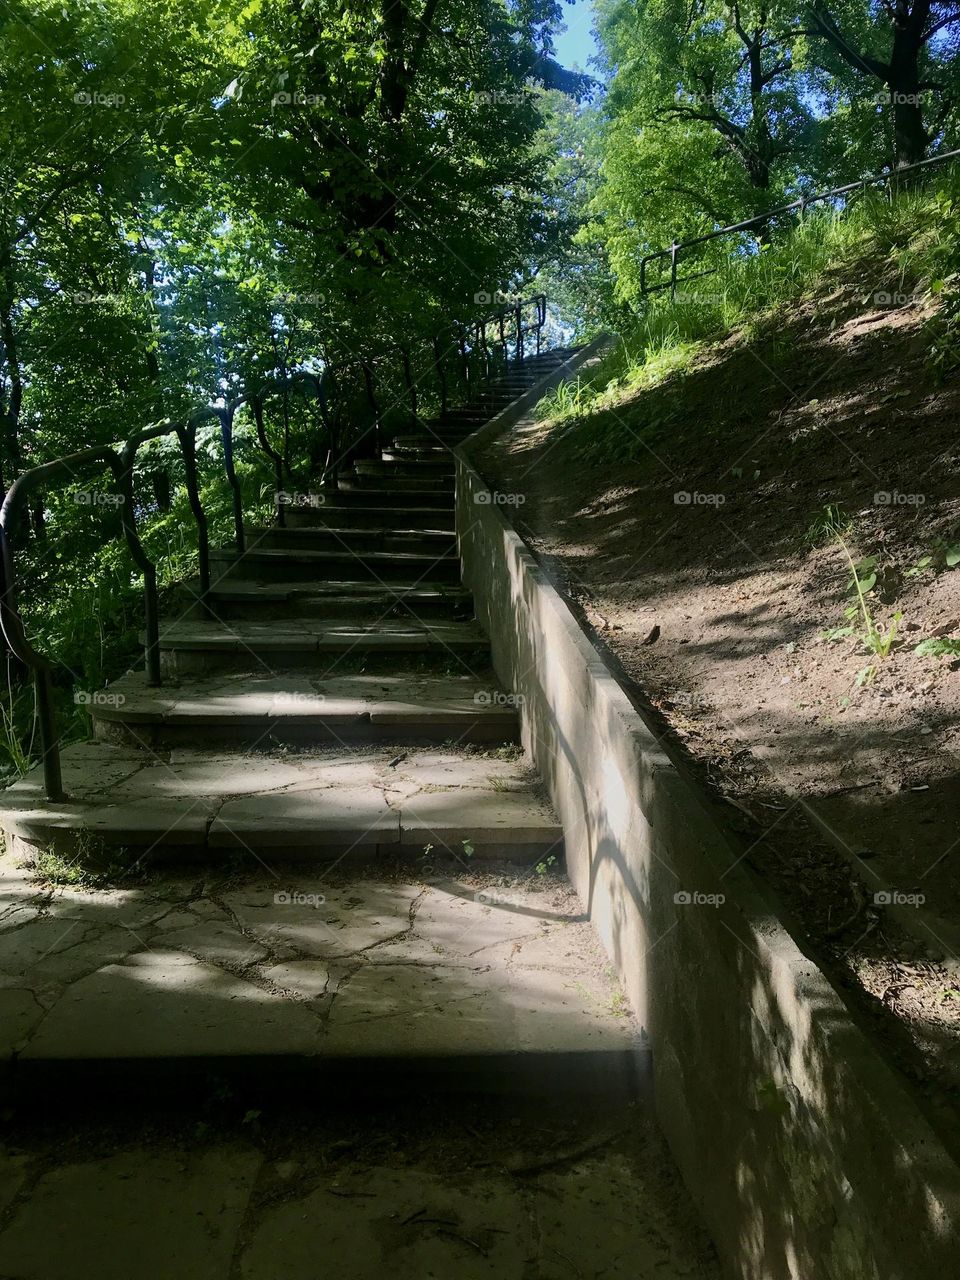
pixel 560 1157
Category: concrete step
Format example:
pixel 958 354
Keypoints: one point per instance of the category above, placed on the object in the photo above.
pixel 466 418
pixel 417 449
pixel 358 540
pixel 464 983
pixel 353 516
pixel 289 564
pixel 434 435
pixel 255 710
pixel 350 494
pixel 425 470
pixel 201 647
pixel 423 442
pixel 416 484
pixel 250 598
pixel 358 804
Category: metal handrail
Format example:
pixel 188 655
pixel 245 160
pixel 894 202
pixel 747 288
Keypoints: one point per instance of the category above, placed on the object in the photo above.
pixel 761 219
pixel 120 460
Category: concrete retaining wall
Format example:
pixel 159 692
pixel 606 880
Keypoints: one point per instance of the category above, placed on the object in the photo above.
pixel 805 1152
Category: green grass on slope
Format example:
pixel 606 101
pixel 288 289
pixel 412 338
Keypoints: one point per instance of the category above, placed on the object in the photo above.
pixel 901 251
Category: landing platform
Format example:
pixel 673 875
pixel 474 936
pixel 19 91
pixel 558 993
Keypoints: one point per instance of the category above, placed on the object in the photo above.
pixel 462 979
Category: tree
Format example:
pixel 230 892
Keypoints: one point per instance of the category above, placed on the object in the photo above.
pixel 906 46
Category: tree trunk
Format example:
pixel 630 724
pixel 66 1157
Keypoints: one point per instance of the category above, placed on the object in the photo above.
pixel 909 134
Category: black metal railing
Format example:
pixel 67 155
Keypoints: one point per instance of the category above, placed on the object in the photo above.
pixel 891 179
pixel 461 355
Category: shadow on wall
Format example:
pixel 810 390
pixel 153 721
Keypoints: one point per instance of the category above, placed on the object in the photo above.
pixel 793 1135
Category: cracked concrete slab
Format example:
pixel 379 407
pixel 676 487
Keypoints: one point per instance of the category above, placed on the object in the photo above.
pixel 352 817
pixel 140 1214
pixel 346 921
pixel 301 968
pixel 385 1233
pixel 166 1004
pixel 335 799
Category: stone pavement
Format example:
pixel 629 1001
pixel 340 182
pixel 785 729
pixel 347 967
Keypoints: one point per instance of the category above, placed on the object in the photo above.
pixel 305 968
pixel 417 1190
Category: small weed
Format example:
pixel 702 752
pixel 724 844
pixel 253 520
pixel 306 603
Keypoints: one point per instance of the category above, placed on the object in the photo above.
pixel 939 647
pixel 543 867
pixel 860 620
pixel 830 523
pixel 619 1006
pixel 945 555
pixel 94 865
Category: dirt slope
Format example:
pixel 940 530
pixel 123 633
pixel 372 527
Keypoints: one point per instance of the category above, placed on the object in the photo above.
pixel 704 564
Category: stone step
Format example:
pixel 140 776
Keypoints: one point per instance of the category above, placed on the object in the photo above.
pixel 460 982
pixel 425 441
pixel 195 647
pixel 350 515
pixel 350 494
pixel 358 540
pixel 467 417
pixel 362 804
pixel 433 435
pixel 416 484
pixel 425 470
pixel 417 449
pixel 250 710
pixel 249 598
pixel 288 564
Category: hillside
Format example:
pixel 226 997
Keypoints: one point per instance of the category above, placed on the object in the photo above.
pixel 706 520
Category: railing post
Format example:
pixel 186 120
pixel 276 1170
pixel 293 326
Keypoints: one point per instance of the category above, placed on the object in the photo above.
pixel 226 436
pixel 187 436
pixel 464 361
pixel 518 315
pixel 13 633
pixel 674 251
pixel 375 406
pixel 408 379
pixel 256 404
pixel 441 374
pixel 151 604
pixel 49 742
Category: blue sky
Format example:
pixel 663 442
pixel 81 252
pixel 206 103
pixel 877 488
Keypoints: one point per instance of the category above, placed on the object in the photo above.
pixel 576 44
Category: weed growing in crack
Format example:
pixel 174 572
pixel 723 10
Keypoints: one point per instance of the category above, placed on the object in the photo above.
pixel 93 865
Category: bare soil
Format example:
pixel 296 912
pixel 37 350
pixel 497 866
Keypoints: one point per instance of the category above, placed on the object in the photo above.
pixel 697 563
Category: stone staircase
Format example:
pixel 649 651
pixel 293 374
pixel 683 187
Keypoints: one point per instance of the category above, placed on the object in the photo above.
pixel 328 720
